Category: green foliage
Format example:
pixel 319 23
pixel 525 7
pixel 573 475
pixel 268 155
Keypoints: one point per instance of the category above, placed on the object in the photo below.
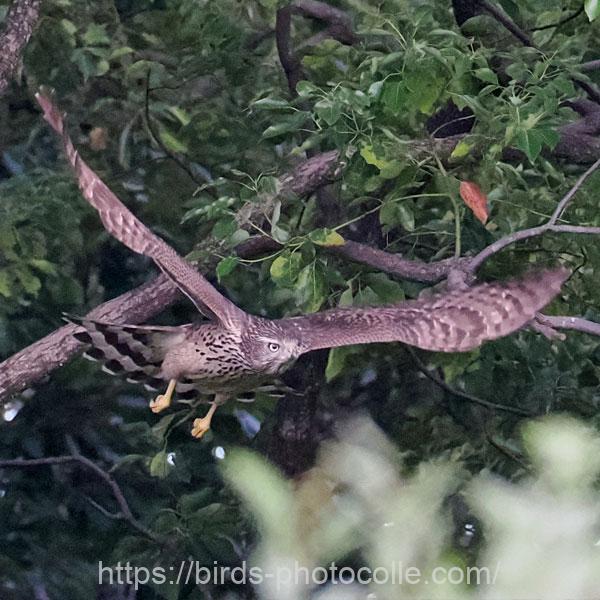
pixel 199 84
pixel 358 499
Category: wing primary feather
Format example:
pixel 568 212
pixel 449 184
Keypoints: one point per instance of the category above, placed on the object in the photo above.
pixel 455 321
pixel 123 225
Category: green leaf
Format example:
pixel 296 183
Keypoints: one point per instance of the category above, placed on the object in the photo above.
pixel 223 228
pixel 286 268
pixel 311 287
pixel 395 213
pixel 530 141
pixel 5 284
pixel 461 149
pixel 329 110
pixel 425 88
pixel 388 169
pixel 180 114
pixel 122 51
pixel 96 35
pixel 486 75
pixel 160 429
pixel 43 266
pixel 394 96
pixel 272 104
pixel 326 237
pixel 290 124
pixel 69 26
pixel 592 9
pixel 172 142
pixel 387 290
pixel 266 493
pixel 159 465
pixel 406 216
pixel 226 266
pixel 306 89
pixel 370 158
pixel 337 360
pixel 31 284
pixel 189 503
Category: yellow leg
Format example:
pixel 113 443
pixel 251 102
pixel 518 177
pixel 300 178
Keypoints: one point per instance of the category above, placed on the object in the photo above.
pixel 201 426
pixel 164 400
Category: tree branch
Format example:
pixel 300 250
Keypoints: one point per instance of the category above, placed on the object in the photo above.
pixel 42 357
pixel 507 22
pixel 562 205
pixel 460 394
pixel 283 39
pixel 339 24
pixel 136 306
pixel 396 265
pixel 571 323
pixel 125 513
pixel 511 26
pixel 34 362
pixel 21 19
pixel 592 65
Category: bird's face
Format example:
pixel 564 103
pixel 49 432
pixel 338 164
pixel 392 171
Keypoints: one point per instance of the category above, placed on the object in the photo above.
pixel 273 355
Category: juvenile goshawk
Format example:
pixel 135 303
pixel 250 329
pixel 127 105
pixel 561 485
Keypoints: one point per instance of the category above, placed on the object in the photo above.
pixel 237 352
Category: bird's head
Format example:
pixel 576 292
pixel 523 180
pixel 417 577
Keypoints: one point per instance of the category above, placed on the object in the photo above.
pixel 273 355
pixel 269 349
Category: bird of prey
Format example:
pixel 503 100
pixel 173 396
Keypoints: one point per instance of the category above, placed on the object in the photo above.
pixel 237 352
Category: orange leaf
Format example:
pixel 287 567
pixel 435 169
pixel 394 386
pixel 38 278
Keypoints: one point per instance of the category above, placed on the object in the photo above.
pixel 475 199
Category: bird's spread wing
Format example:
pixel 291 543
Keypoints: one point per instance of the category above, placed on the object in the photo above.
pixel 451 322
pixel 124 226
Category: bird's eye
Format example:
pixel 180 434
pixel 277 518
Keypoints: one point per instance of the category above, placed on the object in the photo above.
pixel 273 347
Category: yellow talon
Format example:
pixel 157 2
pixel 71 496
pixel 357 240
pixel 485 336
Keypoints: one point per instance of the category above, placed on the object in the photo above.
pixel 201 426
pixel 164 400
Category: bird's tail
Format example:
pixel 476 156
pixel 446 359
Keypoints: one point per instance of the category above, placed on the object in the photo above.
pixel 135 352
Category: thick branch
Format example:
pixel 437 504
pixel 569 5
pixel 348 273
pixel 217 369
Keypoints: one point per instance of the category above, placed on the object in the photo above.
pixel 579 143
pixel 136 306
pixel 339 24
pixel 34 362
pixel 592 65
pixel 20 22
pixel 395 264
pixel 507 22
pixel 283 38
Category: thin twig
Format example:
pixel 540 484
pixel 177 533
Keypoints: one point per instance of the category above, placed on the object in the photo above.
pixel 172 155
pixel 469 397
pixel 561 22
pixel 504 450
pixel 125 513
pixel 562 205
pixel 549 226
pixel 511 26
pixel 572 323
pixel 525 234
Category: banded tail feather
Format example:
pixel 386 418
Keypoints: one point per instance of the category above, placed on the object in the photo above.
pixel 131 351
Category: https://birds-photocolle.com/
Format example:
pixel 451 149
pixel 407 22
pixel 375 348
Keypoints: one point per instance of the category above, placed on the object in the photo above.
pixel 236 352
